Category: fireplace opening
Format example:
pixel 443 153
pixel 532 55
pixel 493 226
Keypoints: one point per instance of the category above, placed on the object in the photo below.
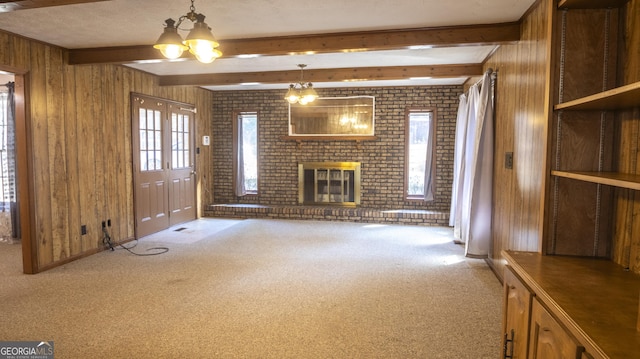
pixel 329 183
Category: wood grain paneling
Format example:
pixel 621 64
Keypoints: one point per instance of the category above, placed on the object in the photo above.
pixel 40 136
pixel 627 242
pixel 80 145
pixel 72 155
pixel 57 167
pixel 521 110
pixel 86 155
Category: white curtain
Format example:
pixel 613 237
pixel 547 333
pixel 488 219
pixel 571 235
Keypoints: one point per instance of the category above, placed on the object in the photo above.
pixel 428 165
pixel 458 168
pixel 471 206
pixel 240 189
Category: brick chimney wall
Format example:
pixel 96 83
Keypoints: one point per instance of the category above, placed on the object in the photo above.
pixel 382 159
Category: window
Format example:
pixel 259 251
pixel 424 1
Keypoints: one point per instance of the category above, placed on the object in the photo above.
pixel 420 163
pixel 246 153
pixel 150 139
pixel 7 147
pixel 180 136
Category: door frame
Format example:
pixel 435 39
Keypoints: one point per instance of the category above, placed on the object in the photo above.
pixel 166 150
pixel 24 172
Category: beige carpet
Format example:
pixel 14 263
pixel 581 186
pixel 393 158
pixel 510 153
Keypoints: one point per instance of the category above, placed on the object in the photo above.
pixel 265 289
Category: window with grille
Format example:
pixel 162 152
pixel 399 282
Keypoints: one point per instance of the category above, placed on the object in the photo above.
pixel 150 139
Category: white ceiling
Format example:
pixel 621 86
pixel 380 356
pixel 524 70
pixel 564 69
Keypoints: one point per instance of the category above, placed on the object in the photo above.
pixel 140 22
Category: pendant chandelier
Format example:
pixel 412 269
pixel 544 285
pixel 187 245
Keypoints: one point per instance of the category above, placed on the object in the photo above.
pixel 301 92
pixel 200 41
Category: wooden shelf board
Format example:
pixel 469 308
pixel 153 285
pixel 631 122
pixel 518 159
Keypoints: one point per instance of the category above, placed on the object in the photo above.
pixel 615 99
pixel 623 180
pixel 595 298
pixel 590 4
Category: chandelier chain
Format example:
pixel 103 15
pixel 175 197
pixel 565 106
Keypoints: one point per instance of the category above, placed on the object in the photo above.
pixel 302 66
pixel 191 15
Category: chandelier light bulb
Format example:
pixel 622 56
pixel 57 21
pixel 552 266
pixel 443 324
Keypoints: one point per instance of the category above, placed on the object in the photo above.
pixel 292 95
pixel 172 52
pixel 170 43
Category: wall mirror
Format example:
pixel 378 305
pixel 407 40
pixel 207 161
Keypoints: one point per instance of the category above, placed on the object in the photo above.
pixel 333 116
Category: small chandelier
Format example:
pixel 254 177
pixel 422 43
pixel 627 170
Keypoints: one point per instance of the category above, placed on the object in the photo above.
pixel 301 92
pixel 200 41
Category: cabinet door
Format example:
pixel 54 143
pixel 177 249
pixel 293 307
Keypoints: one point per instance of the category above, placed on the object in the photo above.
pixel 548 340
pixel 517 307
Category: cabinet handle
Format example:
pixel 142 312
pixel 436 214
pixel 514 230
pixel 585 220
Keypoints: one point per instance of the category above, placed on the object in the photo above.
pixel 506 346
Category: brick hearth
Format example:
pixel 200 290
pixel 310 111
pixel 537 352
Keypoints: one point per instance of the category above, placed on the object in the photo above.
pixel 365 215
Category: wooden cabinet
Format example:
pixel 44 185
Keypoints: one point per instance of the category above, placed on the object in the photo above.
pixel 517 309
pixel 549 340
pixel 580 307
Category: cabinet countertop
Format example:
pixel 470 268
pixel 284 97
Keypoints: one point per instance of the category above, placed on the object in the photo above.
pixel 596 299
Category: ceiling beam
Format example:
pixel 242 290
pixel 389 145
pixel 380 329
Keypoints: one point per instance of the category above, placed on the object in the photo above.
pixel 6 6
pixel 491 34
pixel 323 75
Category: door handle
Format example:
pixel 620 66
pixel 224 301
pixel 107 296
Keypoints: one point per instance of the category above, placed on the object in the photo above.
pixel 506 346
pixel 193 173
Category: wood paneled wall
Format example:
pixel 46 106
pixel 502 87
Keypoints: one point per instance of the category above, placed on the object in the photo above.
pixel 626 251
pixel 521 128
pixel 80 140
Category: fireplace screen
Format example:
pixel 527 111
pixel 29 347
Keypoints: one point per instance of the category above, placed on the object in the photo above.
pixel 329 183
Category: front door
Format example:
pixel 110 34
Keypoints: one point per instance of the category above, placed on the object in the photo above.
pixel 182 172
pixel 163 162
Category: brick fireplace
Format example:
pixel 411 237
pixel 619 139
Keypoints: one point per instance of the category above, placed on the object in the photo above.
pixel 382 196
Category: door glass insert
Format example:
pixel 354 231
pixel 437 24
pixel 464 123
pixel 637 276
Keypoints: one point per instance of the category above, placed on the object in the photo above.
pixel 180 151
pixel 150 140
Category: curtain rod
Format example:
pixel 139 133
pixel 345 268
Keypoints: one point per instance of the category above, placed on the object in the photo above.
pixel 491 72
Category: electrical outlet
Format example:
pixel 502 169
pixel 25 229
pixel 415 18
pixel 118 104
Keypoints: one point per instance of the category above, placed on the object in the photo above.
pixel 508 160
pixel 83 229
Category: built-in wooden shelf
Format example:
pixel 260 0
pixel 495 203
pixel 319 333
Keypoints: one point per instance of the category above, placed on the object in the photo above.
pixel 596 299
pixel 622 180
pixel 619 98
pixel 590 4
